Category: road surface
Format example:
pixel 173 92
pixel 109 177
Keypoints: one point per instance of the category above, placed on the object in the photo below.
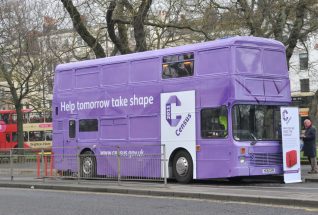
pixel 15 201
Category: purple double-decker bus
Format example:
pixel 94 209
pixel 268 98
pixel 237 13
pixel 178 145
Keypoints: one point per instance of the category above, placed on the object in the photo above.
pixel 214 105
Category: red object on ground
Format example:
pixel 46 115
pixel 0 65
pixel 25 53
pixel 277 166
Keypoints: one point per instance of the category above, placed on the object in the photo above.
pixel 48 160
pixel 38 165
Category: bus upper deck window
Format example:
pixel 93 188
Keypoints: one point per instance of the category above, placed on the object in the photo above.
pixel 176 66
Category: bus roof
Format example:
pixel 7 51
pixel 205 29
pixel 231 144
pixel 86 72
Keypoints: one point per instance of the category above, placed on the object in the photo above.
pixel 237 40
pixel 14 111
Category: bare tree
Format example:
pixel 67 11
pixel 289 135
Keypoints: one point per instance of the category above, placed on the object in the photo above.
pixel 17 62
pixel 156 25
pixel 139 25
pixel 286 21
pixel 115 11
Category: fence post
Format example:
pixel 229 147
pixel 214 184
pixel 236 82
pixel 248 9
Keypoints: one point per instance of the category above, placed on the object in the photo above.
pixel 164 165
pixel 78 161
pixel 118 165
pixel 11 165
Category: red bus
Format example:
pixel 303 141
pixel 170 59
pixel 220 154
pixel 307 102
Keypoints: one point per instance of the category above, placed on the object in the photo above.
pixel 37 129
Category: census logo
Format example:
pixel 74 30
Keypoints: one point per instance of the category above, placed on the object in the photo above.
pixel 172 100
pixel 174 122
pixel 286 116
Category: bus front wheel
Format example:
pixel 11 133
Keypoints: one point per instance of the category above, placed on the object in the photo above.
pixel 183 167
pixel 88 165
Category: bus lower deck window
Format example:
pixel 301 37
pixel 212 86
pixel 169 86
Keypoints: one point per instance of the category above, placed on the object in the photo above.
pixel 214 122
pixel 88 125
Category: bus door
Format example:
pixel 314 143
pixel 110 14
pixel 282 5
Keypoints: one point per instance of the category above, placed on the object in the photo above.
pixel 215 147
pixel 70 143
pixel 71 134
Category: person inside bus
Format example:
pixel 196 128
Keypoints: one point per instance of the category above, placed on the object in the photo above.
pixel 48 136
pixel 169 71
pixel 223 124
pixel 218 128
pixel 309 148
pixel 5 118
pixel 181 70
pixel 32 136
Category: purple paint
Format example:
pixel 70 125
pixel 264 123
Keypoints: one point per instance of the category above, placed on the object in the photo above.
pixel 123 93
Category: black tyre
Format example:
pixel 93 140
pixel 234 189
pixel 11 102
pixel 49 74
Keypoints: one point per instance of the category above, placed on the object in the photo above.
pixel 88 165
pixel 182 167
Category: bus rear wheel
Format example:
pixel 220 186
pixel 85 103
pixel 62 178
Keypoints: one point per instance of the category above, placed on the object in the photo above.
pixel 182 167
pixel 88 165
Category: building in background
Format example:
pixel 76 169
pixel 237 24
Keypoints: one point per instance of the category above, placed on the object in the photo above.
pixel 303 73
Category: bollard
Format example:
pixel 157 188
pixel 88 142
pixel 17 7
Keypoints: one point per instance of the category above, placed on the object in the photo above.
pixel 51 164
pixel 38 165
pixel 42 159
pixel 45 165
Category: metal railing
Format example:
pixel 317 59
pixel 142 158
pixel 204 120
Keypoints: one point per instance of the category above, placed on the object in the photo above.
pixel 116 163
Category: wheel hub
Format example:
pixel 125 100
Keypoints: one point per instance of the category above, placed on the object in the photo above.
pixel 182 166
pixel 87 165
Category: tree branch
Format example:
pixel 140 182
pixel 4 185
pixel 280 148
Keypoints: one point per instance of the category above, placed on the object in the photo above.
pixel 295 32
pixel 169 25
pixel 82 30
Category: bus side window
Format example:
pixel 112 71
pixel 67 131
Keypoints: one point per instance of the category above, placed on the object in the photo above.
pixel 14 137
pixel 214 122
pixel 88 125
pixel 8 139
pixel 5 118
pixel 48 135
pixel 72 129
pixel 176 66
pixel 26 136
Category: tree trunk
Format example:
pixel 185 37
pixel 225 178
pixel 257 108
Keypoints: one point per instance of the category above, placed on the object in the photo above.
pixel 296 30
pixel 139 27
pixel 20 132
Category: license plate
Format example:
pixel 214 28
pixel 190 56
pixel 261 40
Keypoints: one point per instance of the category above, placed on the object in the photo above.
pixel 268 170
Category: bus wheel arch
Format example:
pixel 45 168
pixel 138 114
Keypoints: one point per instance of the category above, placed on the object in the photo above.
pixel 88 164
pixel 181 165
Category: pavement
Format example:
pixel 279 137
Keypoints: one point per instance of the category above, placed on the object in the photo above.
pixel 269 191
pixel 308 177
